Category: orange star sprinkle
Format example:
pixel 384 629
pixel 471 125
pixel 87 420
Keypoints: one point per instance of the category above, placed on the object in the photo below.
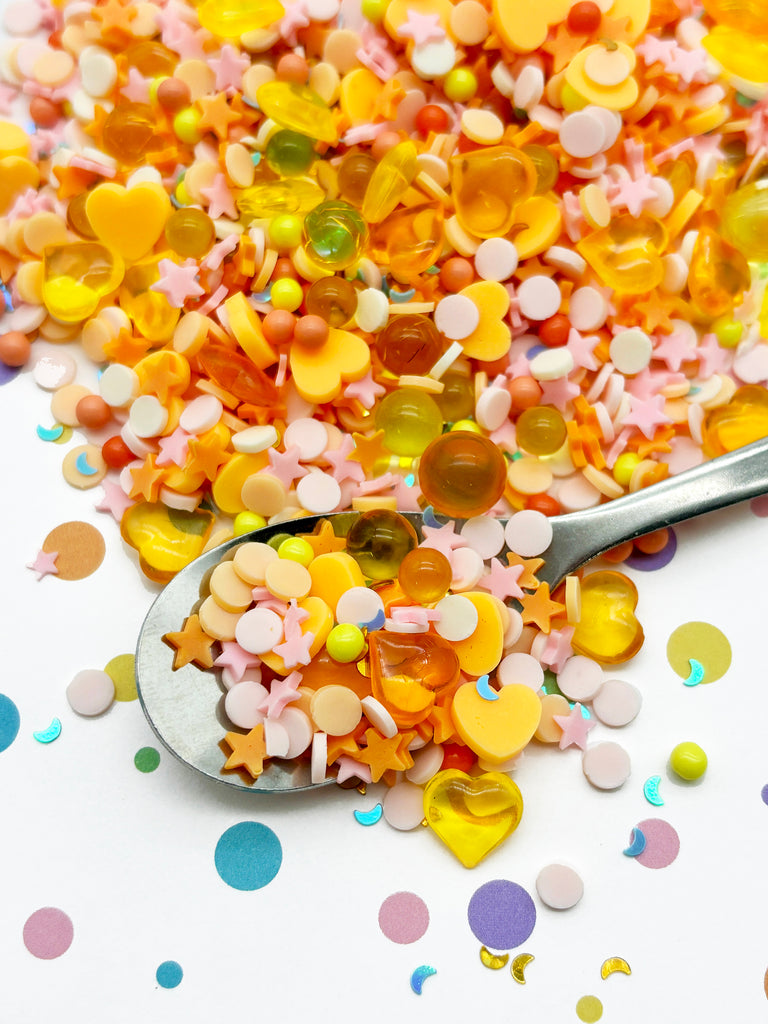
pixel 323 540
pixel 191 644
pixel 527 579
pixel 537 608
pixel 382 754
pixel 217 115
pixel 368 450
pixel 248 751
pixel 147 479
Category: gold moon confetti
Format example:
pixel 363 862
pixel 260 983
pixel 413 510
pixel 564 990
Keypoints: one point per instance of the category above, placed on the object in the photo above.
pixel 491 961
pixel 518 967
pixel 614 964
pixel 705 644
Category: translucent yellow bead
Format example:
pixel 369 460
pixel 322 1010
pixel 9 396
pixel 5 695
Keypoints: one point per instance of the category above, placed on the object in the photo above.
pixel 297 107
pixel 77 276
pixel 390 181
pixel 229 19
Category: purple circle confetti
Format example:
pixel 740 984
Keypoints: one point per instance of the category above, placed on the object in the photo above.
pixel 501 914
pixel 648 563
pixel 7 373
pixel 48 933
pixel 403 917
pixel 662 843
pixel 764 793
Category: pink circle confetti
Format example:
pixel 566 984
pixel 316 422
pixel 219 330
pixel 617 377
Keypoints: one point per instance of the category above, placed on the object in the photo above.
pixel 403 917
pixel 662 843
pixel 48 933
pixel 759 506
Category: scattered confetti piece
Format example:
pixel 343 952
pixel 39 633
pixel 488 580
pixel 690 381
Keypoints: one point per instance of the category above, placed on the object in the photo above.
pixel 501 914
pixel 703 643
pixel 519 965
pixel 491 960
pixel 50 433
pixel 651 791
pixel 589 1009
pixel 147 759
pixel 419 976
pixel 369 817
pixel 403 917
pixel 122 671
pixel 248 856
pixel 169 974
pixel 10 721
pixel 662 843
pixel 636 843
pixel 79 549
pixel 613 965
pixel 50 734
pixel 48 933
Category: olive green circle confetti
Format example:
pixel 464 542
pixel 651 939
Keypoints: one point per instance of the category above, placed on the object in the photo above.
pixel 589 1009
pixel 703 643
pixel 122 671
pixel 147 759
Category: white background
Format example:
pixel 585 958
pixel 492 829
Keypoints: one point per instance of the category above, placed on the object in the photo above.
pixel 130 856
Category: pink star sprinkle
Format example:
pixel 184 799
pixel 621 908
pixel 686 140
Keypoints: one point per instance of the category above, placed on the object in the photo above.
pixel 675 349
pixel 687 64
pixel 236 659
pixel 115 500
pixel 295 17
pixel 713 358
pixel 575 728
pixel 582 348
pixel 44 564
pixel 351 769
pixel 286 466
pixel 220 199
pixel 281 693
pixel 216 256
pixel 137 87
pixel 501 581
pixel 558 392
pixel 229 68
pixel 422 28
pixel 557 649
pixel 343 468
pixel 646 415
pixel 654 50
pixel 177 282
pixel 442 538
pixel 174 448
pixel 365 390
pixel 295 649
pixel 633 193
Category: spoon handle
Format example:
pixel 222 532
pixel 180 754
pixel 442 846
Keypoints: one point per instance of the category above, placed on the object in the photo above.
pixel 726 480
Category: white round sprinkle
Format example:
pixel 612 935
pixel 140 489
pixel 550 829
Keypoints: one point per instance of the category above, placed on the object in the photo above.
pixel 539 297
pixel 277 742
pixel 403 806
pixel 98 71
pixel 496 259
pixel 580 678
pixel 468 569
pixel 606 765
pixel 258 630
pixel 308 435
pixel 242 704
pixel 53 370
pixel 456 316
pixel 91 692
pixel 426 763
pixel 529 87
pixel 631 351
pixel 588 309
pixel 485 534
pixel 520 668
pixel 611 120
pixel 254 439
pixel 582 134
pixel 559 887
pixel 379 717
pixel 299 728
pixel 318 493
pixel 549 365
pixel 321 10
pixel 492 408
pixel 361 606
pixel 318 764
pixel 201 414
pixel 433 60
pixel 118 385
pixel 372 310
pixel 458 618
pixel 148 416
pixel 617 703
pixel 528 533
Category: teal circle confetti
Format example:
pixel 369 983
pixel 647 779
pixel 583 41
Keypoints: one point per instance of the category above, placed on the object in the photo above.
pixel 147 759
pixel 169 974
pixel 9 722
pixel 248 856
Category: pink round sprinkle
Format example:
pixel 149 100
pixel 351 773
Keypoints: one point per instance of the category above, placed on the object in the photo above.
pixel 404 806
pixel 318 493
pixel 662 843
pixel 587 309
pixel 606 765
pixel 91 692
pixel 484 534
pixel 201 414
pixel 539 297
pixel 582 134
pixel 617 703
pixel 308 435
pixel 496 259
pixel 22 19
pixel 242 704
pixel 528 533
pixel 456 316
pixel 53 370
pixel 403 917
pixel 580 678
pixel 522 668
pixel 48 933
pixel 559 886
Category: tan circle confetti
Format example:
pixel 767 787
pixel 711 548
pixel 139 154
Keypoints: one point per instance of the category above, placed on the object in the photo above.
pixel 122 671
pixel 83 467
pixel 80 549
pixel 702 643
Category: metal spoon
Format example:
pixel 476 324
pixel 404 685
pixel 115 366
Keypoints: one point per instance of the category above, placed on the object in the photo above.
pixel 185 707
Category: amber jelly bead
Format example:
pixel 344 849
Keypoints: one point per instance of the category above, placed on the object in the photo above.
pixel 334 299
pixel 462 474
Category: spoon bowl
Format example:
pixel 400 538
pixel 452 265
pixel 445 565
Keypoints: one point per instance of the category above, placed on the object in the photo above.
pixel 185 706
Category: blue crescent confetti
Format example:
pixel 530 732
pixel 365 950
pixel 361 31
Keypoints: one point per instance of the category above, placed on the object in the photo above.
pixel 636 843
pixel 484 690
pixel 50 734
pixel 369 817
pixel 419 976
pixel 651 791
pixel 83 466
pixel 697 673
pixel 49 433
